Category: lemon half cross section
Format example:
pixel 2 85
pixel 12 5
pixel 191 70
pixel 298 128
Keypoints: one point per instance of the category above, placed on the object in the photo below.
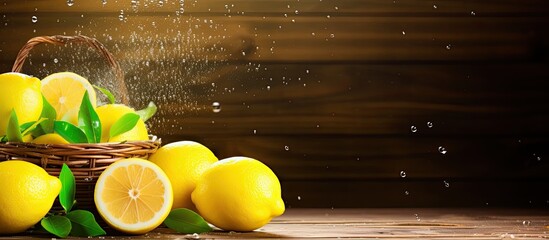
pixel 133 196
pixel 64 91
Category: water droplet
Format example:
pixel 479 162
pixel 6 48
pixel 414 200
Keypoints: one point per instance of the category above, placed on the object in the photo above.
pixel 449 46
pixel 70 3
pixel 255 131
pixel 429 124
pixel 88 179
pixel 413 129
pixel 442 150
pixel 402 174
pixel 435 6
pixel 417 217
pixel 332 35
pixel 538 158
pixel 299 198
pixel 104 2
pixel 403 32
pixel 55 60
pixel 526 223
pixel 473 13
pixel 160 3
pixel 121 16
pixel 328 16
pixel 34 19
pixel 296 12
pixel 446 184
pixel 216 107
pixel 268 88
pixel 406 193
pixel 307 71
pixel 287 148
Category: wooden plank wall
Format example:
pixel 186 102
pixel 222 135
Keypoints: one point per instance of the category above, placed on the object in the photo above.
pixel 326 92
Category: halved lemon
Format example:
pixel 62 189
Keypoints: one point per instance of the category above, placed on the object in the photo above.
pixel 133 195
pixel 64 91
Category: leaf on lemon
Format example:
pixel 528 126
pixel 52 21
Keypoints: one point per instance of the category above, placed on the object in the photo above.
pixel 84 224
pixel 186 221
pixel 69 132
pixel 107 93
pixel 68 188
pixel 49 113
pixel 14 132
pixel 88 120
pixel 57 225
pixel 147 112
pixel 126 123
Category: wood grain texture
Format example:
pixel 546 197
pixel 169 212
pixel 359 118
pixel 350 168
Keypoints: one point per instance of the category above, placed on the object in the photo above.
pixel 339 83
pixel 389 223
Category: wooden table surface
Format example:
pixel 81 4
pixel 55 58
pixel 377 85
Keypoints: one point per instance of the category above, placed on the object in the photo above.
pixel 394 223
pixel 397 223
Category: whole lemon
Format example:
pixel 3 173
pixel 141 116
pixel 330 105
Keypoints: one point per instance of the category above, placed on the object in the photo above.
pixel 183 162
pixel 109 114
pixel 28 192
pixel 50 138
pixel 22 93
pixel 238 193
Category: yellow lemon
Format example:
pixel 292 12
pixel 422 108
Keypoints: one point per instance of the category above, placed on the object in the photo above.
pixel 50 138
pixel 183 162
pixel 64 91
pixel 27 195
pixel 21 93
pixel 238 193
pixel 109 114
pixel 133 195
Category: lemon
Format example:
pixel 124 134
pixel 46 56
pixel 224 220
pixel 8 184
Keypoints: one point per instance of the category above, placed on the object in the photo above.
pixel 109 114
pixel 239 194
pixel 50 138
pixel 133 195
pixel 64 91
pixel 27 195
pixel 21 93
pixel 183 162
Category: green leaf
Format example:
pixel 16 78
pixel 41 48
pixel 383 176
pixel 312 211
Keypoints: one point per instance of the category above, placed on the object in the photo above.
pixel 49 113
pixel 186 221
pixel 147 112
pixel 69 132
pixel 68 188
pixel 107 93
pixel 126 123
pixel 57 225
pixel 14 132
pixel 88 120
pixel 26 128
pixel 84 224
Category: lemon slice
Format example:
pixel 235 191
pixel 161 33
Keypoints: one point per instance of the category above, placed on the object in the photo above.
pixel 64 91
pixel 133 195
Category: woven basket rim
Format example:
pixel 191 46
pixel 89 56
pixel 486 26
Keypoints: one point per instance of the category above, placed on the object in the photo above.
pixel 152 139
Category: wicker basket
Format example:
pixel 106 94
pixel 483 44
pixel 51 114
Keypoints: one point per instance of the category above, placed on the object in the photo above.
pixel 87 161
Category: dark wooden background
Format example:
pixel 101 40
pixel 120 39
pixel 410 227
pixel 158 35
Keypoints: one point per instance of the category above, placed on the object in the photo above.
pixel 327 95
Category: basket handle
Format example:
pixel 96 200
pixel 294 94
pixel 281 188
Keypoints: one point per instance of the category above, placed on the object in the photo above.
pixel 62 40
